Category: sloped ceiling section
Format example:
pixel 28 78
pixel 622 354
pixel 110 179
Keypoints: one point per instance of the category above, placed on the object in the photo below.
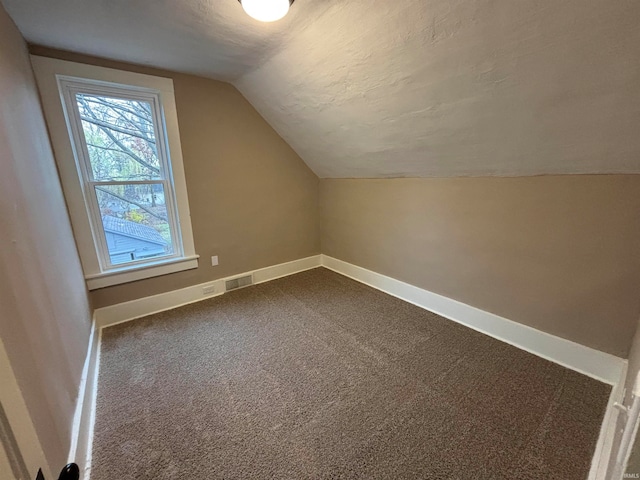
pixel 459 87
pixel 380 88
pixel 211 38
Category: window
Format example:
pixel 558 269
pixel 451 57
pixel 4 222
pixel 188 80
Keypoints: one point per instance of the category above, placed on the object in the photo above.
pixel 123 149
pixel 125 171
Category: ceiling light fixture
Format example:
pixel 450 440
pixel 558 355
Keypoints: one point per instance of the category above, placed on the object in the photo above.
pixel 266 10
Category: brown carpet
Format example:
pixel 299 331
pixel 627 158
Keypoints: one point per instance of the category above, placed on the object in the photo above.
pixel 315 376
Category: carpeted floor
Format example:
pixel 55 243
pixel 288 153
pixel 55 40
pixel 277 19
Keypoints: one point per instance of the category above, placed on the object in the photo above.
pixel 315 376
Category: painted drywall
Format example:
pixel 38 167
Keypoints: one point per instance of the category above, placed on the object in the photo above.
pixel 253 201
pixel 441 88
pixel 211 38
pixel 45 316
pixel 403 88
pixel 557 253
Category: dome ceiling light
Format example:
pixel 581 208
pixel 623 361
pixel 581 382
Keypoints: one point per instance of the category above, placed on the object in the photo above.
pixel 266 10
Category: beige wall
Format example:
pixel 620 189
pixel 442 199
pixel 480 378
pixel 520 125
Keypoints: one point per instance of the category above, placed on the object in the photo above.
pixel 253 201
pixel 558 253
pixel 44 310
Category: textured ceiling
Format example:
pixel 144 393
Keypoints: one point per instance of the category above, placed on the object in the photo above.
pixel 212 38
pixel 380 88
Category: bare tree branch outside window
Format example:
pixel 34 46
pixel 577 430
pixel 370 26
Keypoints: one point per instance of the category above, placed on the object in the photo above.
pixel 122 146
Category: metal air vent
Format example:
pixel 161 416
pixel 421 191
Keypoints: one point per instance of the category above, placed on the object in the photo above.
pixel 238 282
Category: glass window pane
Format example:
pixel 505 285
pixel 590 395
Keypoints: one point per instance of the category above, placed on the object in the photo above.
pixel 120 138
pixel 135 222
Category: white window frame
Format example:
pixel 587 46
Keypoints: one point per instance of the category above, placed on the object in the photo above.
pixel 71 86
pixel 58 82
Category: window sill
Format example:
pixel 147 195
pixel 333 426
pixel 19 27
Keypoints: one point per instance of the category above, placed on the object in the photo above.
pixel 131 274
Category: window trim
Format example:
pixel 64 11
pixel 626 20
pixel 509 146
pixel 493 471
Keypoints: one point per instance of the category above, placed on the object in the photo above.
pixel 69 87
pixel 51 74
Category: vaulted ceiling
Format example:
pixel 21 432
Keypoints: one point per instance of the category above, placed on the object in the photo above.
pixel 381 88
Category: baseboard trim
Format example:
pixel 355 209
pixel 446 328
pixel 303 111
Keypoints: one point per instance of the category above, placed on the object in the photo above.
pixel 588 361
pixel 82 429
pixel 84 418
pixel 593 363
pixel 124 312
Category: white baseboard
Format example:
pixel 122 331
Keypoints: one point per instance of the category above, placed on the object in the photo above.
pixel 588 361
pixel 594 363
pixel 84 418
pixel 599 365
pixel 82 430
pixel 142 307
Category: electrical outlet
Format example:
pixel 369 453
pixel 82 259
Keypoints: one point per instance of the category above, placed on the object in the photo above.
pixel 209 290
pixel 214 260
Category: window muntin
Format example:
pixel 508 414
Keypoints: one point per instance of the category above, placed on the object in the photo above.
pixel 120 136
pixel 122 158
